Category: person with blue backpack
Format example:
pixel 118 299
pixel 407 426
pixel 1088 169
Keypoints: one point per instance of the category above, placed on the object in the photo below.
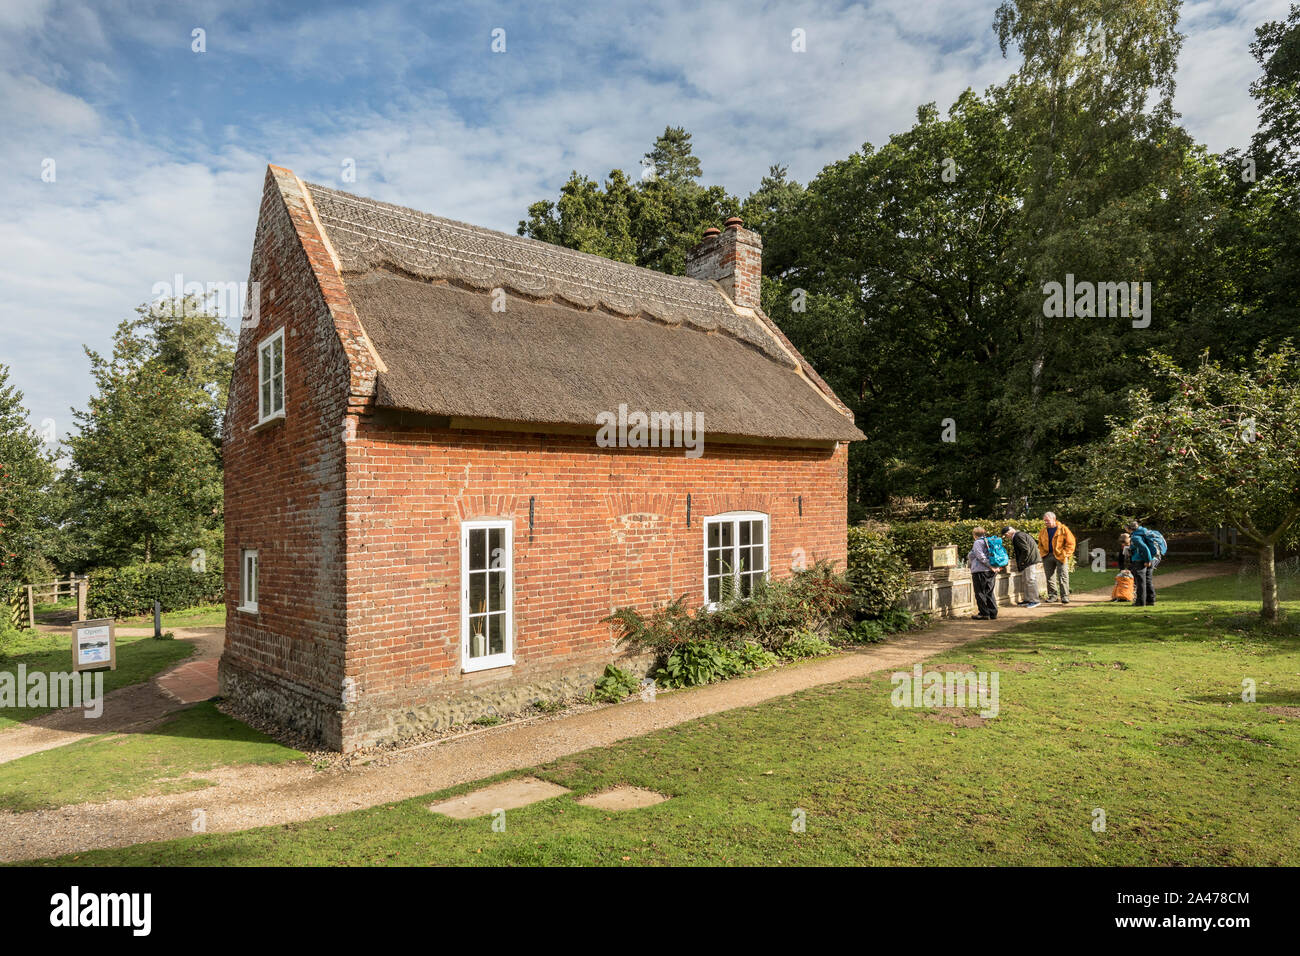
pixel 1147 548
pixel 987 556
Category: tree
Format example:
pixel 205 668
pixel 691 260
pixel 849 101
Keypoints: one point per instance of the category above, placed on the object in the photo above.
pixel 26 471
pixel 145 477
pixel 653 222
pixel 1222 451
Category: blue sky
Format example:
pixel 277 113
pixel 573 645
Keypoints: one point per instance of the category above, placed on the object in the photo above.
pixel 160 151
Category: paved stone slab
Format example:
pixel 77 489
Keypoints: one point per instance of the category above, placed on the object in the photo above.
pixel 506 795
pixel 623 798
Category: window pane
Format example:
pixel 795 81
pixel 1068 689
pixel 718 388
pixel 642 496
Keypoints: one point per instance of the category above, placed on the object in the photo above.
pixel 497 549
pixel 746 584
pixel 266 364
pixel 477 549
pixel 745 560
pixel 714 591
pixel 277 356
pixel 760 558
pixel 714 563
pixel 278 392
pixel 477 636
pixel 714 538
pixel 477 592
pixel 497 634
pixel 266 396
pixel 728 533
pixel 496 590
pixel 756 532
pixel 744 533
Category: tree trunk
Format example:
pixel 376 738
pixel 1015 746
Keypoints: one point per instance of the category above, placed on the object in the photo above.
pixel 1269 609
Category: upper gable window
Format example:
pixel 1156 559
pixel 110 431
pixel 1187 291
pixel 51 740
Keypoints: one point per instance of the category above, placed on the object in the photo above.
pixel 270 378
pixel 735 555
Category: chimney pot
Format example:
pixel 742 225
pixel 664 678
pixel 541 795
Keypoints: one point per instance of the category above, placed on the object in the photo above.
pixel 712 231
pixel 735 222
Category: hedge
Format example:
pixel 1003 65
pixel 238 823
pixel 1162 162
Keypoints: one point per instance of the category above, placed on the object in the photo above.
pixel 913 540
pixel 877 571
pixel 124 592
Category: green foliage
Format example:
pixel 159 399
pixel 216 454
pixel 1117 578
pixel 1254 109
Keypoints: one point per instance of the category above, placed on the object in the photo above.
pixel 652 221
pixel 614 685
pixel 26 473
pixel 145 476
pixel 915 539
pixel 123 592
pixel 877 571
pixel 804 644
pixel 1221 451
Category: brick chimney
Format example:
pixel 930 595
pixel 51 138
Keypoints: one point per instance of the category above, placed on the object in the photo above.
pixel 733 257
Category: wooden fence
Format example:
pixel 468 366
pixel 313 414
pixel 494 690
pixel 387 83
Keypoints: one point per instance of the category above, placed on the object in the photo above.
pixel 22 603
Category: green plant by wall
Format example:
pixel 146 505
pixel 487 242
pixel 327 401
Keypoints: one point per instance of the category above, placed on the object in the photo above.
pixel 877 571
pixel 614 685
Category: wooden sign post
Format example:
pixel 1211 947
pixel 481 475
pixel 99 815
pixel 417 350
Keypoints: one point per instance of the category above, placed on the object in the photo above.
pixel 94 645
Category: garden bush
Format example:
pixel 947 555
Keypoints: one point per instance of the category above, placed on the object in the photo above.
pixel 614 685
pixel 877 572
pixel 123 592
pixel 913 540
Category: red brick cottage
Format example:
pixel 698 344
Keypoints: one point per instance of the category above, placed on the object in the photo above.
pixel 441 466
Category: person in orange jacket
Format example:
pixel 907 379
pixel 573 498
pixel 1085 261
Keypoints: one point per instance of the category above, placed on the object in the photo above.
pixel 1056 544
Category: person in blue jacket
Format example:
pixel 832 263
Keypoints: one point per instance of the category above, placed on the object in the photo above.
pixel 1142 558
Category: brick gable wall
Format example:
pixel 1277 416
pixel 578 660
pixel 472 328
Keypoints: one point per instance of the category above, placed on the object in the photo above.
pixel 284 483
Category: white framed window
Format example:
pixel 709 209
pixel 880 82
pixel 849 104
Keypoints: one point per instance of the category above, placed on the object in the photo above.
pixel 735 555
pixel 248 581
pixel 487 594
pixel 270 378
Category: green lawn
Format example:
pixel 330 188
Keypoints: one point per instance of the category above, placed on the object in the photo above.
pixel 1137 712
pixel 207 615
pixel 138 659
pixel 117 766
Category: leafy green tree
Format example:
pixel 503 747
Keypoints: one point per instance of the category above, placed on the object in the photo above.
pixel 652 222
pixel 145 477
pixel 1221 451
pixel 26 471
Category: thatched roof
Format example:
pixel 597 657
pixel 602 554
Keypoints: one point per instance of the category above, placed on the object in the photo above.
pixel 579 334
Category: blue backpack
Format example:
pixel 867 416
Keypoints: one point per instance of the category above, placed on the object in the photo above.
pixel 1157 544
pixel 997 553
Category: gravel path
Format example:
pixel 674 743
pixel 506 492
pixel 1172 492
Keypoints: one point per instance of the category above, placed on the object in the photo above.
pixel 253 796
pixel 132 708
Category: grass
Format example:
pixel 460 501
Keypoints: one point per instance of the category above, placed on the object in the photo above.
pixel 1136 712
pixel 118 766
pixel 138 659
pixel 206 615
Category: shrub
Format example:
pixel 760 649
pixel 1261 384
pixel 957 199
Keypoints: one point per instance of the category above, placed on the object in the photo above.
pixel 913 540
pixel 804 644
pixel 614 685
pixel 877 573
pixel 864 632
pixel 123 592
pixel 699 662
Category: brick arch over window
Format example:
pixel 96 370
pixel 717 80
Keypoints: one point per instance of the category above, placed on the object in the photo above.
pixel 489 506
pixel 723 502
pixel 641 506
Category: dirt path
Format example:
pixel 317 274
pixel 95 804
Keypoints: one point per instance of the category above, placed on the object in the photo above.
pixel 137 707
pixel 247 797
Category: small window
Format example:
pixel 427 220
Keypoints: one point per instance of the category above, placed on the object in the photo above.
pixel 248 581
pixel 735 555
pixel 487 588
pixel 270 378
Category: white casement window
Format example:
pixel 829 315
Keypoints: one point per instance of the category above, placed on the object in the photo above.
pixel 735 555
pixel 248 581
pixel 270 378
pixel 487 590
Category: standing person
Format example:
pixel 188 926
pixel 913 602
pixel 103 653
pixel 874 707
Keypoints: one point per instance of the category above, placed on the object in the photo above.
pixel 1028 561
pixel 1056 542
pixel 1143 554
pixel 981 576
